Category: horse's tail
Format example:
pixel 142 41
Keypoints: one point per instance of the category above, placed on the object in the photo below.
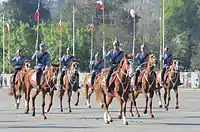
pixel 85 85
pixel 98 90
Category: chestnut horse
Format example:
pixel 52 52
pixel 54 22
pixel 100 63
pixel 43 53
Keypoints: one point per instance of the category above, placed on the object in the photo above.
pixel 19 83
pixel 47 85
pixel 87 86
pixel 71 82
pixel 146 84
pixel 172 82
pixel 119 86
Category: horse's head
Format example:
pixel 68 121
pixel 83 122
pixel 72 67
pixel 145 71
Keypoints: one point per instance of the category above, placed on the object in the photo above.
pixel 26 65
pixel 152 60
pixel 54 69
pixel 74 66
pixel 126 65
pixel 176 65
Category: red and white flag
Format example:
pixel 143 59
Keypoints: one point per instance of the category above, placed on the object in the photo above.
pixel 132 13
pixel 60 24
pixel 99 4
pixel 37 14
pixel 91 26
pixel 7 27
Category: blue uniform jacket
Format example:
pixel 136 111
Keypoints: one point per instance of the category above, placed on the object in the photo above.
pixel 97 66
pixel 111 56
pixel 67 59
pixel 141 57
pixel 19 61
pixel 167 60
pixel 43 59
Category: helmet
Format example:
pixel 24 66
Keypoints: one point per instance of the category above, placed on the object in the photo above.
pixel 42 45
pixel 166 49
pixel 19 50
pixel 68 50
pixel 143 46
pixel 97 55
pixel 116 43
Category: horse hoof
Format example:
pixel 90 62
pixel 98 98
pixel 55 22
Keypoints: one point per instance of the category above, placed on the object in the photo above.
pixel 76 104
pixel 138 115
pixel 160 106
pixel 107 122
pixel 33 114
pixel 26 112
pixel 132 114
pixel 166 109
pixel 177 107
pixel 119 117
pixel 89 106
pixel 145 112
pixel 44 117
pixel 152 116
pixel 70 111
pixel 111 120
pixel 126 123
pixel 102 106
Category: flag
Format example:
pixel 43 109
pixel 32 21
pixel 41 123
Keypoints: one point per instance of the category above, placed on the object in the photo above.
pixel 132 13
pixel 91 26
pixel 60 24
pixel 7 27
pixel 37 14
pixel 99 4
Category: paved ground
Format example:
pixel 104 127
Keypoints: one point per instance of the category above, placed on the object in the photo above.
pixel 186 119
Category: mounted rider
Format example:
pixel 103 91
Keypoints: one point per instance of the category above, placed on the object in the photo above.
pixel 97 66
pixel 19 61
pixel 43 59
pixel 115 56
pixel 141 59
pixel 66 60
pixel 167 58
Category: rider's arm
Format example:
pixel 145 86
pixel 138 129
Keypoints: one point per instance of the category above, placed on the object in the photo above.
pixel 108 55
pixel 34 55
pixel 14 59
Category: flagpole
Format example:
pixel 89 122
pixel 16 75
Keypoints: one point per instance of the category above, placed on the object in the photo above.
pixel 37 39
pixel 92 39
pixel 163 24
pixel 104 41
pixel 60 51
pixel 73 29
pixel 134 29
pixel 3 50
pixel 9 40
pixel 160 37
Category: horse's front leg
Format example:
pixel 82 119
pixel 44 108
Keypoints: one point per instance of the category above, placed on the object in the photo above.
pixel 69 94
pixel 89 96
pixel 150 103
pixel 43 105
pixel 133 103
pixel 124 111
pixel 121 106
pixel 169 98
pixel 109 101
pixel 158 94
pixel 33 101
pixel 51 101
pixel 165 97
pixel 27 98
pixel 146 102
pixel 106 113
pixel 61 93
pixel 77 97
pixel 176 93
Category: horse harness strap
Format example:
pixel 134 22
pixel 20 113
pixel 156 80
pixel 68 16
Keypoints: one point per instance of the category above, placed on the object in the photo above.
pixel 97 64
pixel 115 58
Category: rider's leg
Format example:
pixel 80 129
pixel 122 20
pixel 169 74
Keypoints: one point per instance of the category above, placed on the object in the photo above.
pixel 78 80
pixel 14 77
pixel 109 75
pixel 38 74
pixel 61 78
pixel 93 77
pixel 162 76
pixel 136 79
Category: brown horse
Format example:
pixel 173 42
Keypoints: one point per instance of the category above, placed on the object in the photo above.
pixel 146 84
pixel 119 87
pixel 87 86
pixel 172 82
pixel 19 83
pixel 47 85
pixel 71 81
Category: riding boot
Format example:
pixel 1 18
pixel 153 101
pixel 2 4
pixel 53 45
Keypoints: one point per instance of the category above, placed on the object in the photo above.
pixel 162 77
pixel 61 79
pixel 14 78
pixel 77 82
pixel 136 80
pixel 92 78
pixel 38 79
